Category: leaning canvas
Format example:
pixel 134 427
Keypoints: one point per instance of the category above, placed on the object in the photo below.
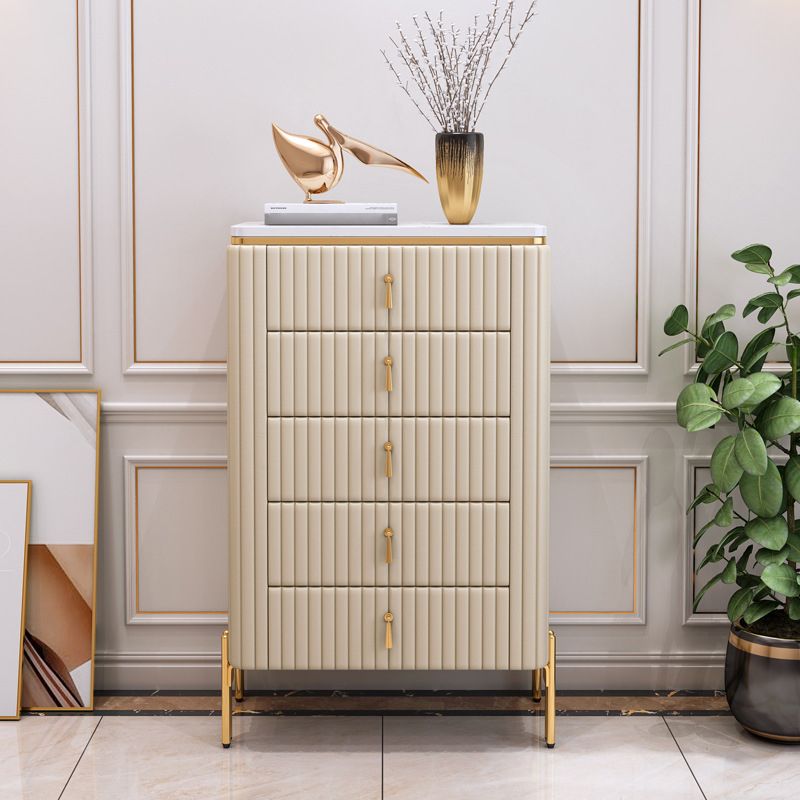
pixel 15 499
pixel 52 437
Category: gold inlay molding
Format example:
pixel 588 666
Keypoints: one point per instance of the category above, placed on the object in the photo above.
pixel 383 241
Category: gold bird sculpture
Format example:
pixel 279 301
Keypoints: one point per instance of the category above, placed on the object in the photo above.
pixel 317 167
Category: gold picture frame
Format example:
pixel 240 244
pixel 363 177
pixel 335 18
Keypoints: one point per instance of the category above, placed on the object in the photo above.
pixel 26 539
pixel 67 680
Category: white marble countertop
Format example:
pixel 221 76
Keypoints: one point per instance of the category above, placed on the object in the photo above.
pixel 420 229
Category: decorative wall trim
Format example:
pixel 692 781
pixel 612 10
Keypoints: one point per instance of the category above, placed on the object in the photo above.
pixel 134 615
pixel 694 46
pixel 84 365
pixel 640 364
pixel 636 614
pixel 590 670
pixel 131 364
pixel 648 413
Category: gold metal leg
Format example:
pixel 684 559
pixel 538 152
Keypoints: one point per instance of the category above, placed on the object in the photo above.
pixel 227 674
pixel 537 685
pixel 550 682
pixel 238 685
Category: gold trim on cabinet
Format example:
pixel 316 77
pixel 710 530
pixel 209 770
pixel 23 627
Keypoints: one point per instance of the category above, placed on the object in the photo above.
pixel 24 593
pixel 137 467
pixel 78 360
pixel 634 610
pixel 764 650
pixel 367 241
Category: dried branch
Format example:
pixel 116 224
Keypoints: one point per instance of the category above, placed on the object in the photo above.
pixel 449 68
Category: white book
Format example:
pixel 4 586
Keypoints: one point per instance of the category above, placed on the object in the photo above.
pixel 330 213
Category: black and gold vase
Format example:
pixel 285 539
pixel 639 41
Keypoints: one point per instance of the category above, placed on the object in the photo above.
pixel 762 684
pixel 459 174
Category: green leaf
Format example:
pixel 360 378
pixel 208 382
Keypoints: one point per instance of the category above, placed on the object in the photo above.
pixel 708 494
pixel 791 476
pixel 763 494
pixel 780 418
pixel 711 333
pixel 696 408
pixel 766 314
pixel 766 556
pixel 721 314
pixel 676 345
pixel 754 255
pixel 771 533
pixel 737 392
pixel 767 300
pixel 793 544
pixel 793 608
pixel 699 596
pixel 789 275
pixel 739 602
pixel 724 516
pixel 723 353
pixel 741 562
pixel 781 578
pixel 699 535
pixel 759 341
pixel 725 469
pixel 729 573
pixel 794 293
pixel 677 322
pixel 751 452
pixel 758 610
pixel 766 385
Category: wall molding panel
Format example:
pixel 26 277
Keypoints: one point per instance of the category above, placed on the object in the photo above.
pixel 83 361
pixel 639 364
pixel 135 615
pixel 696 124
pixel 645 413
pixel 636 467
pixel 133 363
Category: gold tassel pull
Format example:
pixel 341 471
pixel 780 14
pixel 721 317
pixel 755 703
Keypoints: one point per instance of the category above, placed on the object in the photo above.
pixel 388 618
pixel 388 448
pixel 388 533
pixel 388 361
pixel 388 279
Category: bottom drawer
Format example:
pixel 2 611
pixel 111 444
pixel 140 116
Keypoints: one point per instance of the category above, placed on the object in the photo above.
pixel 342 628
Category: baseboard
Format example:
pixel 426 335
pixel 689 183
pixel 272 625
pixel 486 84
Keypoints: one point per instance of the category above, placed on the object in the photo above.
pixel 595 671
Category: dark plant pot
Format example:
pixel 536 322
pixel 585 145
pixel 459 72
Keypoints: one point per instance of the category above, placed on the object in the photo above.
pixel 762 684
pixel 459 174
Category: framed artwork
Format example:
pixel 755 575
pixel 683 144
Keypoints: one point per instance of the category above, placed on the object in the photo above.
pixel 15 507
pixel 52 437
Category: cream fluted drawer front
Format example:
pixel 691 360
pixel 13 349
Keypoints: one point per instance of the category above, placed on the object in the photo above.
pixel 347 288
pixel 397 374
pixel 344 628
pixel 376 387
pixel 382 544
pixel 437 459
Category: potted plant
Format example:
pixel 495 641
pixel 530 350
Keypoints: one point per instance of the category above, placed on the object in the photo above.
pixel 452 73
pixel 757 460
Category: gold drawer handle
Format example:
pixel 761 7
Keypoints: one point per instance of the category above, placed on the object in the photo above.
pixel 388 279
pixel 388 448
pixel 388 533
pixel 388 618
pixel 388 361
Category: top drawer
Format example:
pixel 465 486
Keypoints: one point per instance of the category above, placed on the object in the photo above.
pixel 450 288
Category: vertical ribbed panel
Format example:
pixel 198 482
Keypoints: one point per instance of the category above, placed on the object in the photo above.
pixel 468 419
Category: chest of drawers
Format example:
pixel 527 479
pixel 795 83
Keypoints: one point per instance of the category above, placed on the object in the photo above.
pixel 388 423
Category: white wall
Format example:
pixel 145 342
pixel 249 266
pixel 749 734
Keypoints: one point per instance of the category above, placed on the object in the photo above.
pixel 651 146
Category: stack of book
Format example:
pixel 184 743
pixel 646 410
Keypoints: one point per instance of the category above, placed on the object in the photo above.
pixel 330 214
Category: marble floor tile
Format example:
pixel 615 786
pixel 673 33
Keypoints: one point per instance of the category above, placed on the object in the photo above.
pixel 729 763
pixel 37 754
pixel 489 758
pixel 180 758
